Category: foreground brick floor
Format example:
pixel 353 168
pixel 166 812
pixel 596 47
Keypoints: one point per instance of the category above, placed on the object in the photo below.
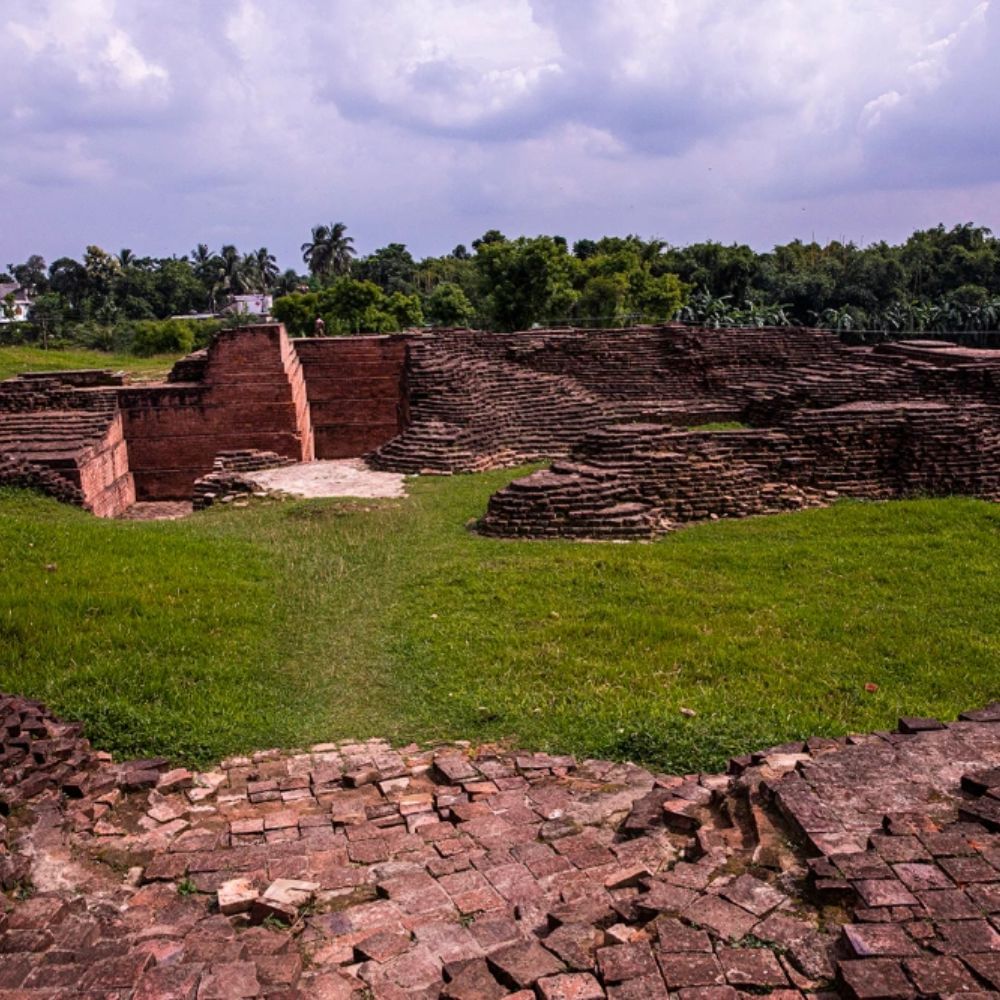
pixel 864 867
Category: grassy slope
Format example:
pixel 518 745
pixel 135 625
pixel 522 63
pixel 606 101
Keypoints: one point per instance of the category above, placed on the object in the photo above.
pixel 307 621
pixel 14 360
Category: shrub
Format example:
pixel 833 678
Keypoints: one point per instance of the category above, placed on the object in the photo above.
pixel 166 336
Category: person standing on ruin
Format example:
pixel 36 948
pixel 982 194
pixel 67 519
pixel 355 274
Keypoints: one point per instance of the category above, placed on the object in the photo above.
pixel 319 327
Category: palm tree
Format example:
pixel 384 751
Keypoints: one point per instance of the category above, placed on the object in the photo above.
pixel 230 272
pixel 263 267
pixel 206 265
pixel 329 251
pixel 126 258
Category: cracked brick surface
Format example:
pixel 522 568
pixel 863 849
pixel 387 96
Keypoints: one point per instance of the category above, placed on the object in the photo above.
pixel 861 867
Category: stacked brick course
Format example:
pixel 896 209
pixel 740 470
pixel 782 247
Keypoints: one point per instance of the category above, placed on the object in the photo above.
pixel 227 478
pixel 639 480
pixel 355 391
pixel 19 473
pixel 483 400
pixel 63 434
pixel 461 400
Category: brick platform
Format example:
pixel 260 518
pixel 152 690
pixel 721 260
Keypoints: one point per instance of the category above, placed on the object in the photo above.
pixel 861 867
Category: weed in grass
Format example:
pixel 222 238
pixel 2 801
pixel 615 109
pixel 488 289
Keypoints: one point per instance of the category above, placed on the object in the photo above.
pixel 273 923
pixel 718 425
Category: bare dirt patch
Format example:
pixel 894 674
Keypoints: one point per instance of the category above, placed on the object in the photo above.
pixel 343 478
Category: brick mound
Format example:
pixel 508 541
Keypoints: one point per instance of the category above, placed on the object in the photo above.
pixel 640 480
pixel 862 867
pixel 461 401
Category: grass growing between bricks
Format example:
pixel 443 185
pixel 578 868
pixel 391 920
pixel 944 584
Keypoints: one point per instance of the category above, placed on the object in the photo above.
pixel 15 360
pixel 301 622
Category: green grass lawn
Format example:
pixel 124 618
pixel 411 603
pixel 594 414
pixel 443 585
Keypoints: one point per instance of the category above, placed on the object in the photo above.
pixel 14 360
pixel 291 623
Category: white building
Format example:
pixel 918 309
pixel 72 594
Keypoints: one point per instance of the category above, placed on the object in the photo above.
pixel 15 303
pixel 255 304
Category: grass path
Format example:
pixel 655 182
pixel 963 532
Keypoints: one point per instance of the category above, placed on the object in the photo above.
pixel 314 620
pixel 14 360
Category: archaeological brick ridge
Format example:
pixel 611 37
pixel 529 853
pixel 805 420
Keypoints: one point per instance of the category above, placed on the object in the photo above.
pixel 864 867
pixel 615 408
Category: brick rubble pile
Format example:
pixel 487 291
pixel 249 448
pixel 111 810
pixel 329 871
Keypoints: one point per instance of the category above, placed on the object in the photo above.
pixel 864 867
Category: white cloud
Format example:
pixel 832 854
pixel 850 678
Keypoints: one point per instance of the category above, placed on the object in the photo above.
pixel 428 121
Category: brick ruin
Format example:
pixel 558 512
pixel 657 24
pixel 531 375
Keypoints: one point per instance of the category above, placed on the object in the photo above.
pixel 618 410
pixel 88 438
pixel 65 434
pixel 638 480
pixel 864 867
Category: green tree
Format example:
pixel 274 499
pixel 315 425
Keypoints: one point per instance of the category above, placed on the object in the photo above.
pixel 261 267
pixel 329 251
pixel 48 315
pixel 68 279
pixel 31 274
pixel 448 305
pixel 488 238
pixel 605 297
pixel 102 271
pixel 657 298
pixel 347 305
pixel 525 281
pixel 405 309
pixel 391 267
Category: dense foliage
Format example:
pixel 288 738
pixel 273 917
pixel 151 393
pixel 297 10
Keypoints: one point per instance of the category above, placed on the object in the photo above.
pixel 938 279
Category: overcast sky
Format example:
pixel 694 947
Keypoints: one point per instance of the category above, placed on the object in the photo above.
pixel 158 124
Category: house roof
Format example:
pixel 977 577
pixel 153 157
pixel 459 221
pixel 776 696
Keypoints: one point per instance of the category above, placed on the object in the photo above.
pixel 9 287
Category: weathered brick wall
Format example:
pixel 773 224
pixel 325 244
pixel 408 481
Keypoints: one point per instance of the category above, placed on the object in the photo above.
pixel 16 471
pixel 355 391
pixel 481 400
pixel 638 480
pixel 252 394
pixel 104 474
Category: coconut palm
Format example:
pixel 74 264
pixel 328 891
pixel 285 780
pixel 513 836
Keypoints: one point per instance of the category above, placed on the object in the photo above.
pixel 330 251
pixel 262 268
pixel 231 275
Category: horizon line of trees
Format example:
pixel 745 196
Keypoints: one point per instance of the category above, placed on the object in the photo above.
pixel 937 279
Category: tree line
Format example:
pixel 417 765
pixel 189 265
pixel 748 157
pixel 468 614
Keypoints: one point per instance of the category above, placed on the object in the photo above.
pixel 937 279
